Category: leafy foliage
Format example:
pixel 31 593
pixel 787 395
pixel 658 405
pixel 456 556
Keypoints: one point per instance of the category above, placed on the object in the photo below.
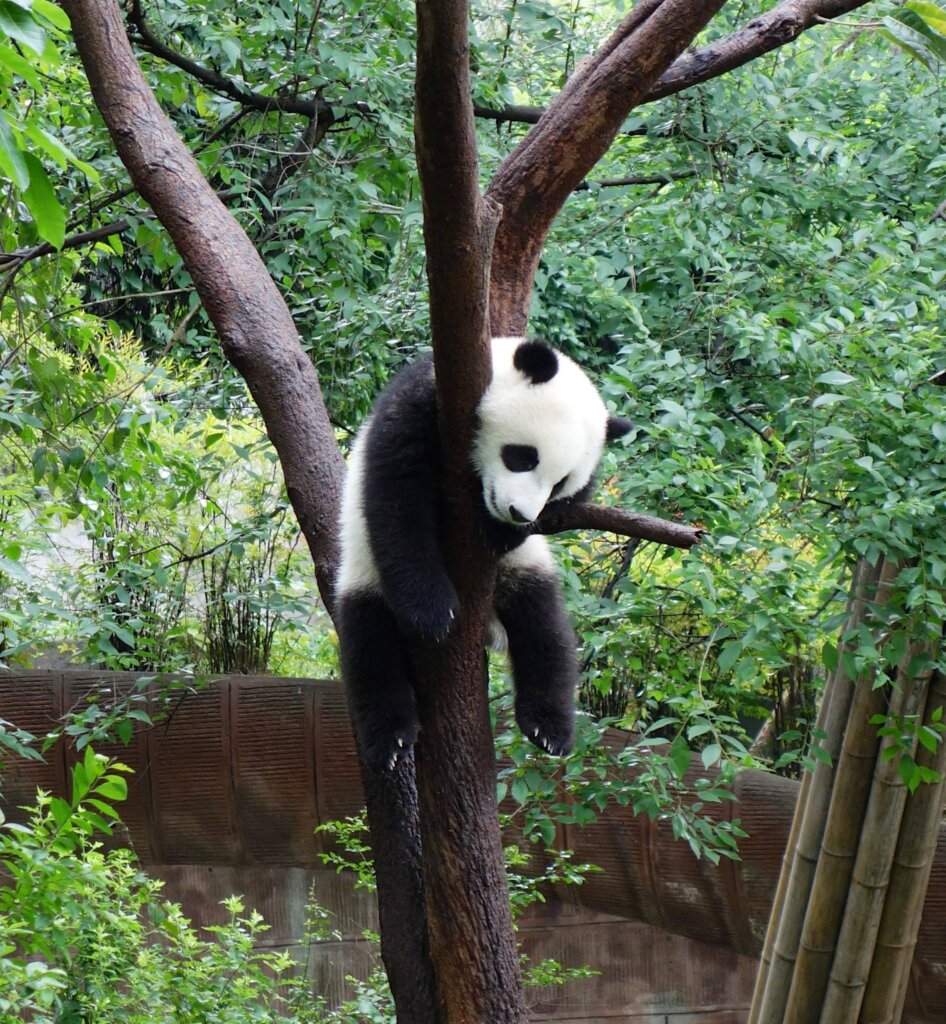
pixel 86 935
pixel 767 308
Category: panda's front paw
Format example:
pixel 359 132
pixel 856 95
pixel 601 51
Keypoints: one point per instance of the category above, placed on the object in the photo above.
pixel 432 614
pixel 548 726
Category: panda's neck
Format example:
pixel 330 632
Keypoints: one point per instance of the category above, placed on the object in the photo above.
pixel 500 537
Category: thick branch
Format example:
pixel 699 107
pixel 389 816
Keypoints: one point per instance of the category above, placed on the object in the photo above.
pixel 782 25
pixel 635 179
pixel 255 328
pixel 586 516
pixel 538 176
pixel 511 112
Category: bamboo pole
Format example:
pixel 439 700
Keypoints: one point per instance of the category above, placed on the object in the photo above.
pixel 890 971
pixel 785 922
pixel 875 854
pixel 771 931
pixel 839 844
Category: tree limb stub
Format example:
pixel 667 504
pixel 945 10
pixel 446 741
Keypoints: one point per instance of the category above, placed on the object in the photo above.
pixel 255 327
pixel 587 516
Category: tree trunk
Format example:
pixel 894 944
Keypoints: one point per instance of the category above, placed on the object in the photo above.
pixel 470 926
pixel 256 330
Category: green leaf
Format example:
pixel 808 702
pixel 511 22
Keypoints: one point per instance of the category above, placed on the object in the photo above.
pixel 21 26
pixel 711 754
pixel 836 378
pixel 12 161
pixel 47 211
pixel 910 29
pixel 53 14
pixel 10 59
pixel 60 811
pixel 729 655
pixel 112 788
pixel 829 398
pixel 57 149
pixel 679 757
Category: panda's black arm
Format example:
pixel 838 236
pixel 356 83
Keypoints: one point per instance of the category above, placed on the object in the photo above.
pixel 402 504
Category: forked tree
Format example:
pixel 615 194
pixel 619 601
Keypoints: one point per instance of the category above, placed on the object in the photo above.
pixel 447 939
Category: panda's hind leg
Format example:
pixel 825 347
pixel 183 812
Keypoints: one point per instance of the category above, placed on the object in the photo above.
pixel 377 679
pixel 531 608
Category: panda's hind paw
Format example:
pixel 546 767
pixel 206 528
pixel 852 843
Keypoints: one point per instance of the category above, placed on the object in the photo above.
pixel 384 750
pixel 549 728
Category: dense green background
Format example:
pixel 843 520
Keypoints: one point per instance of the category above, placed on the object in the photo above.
pixel 766 305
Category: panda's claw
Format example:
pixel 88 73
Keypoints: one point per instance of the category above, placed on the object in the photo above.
pixel 400 742
pixel 548 727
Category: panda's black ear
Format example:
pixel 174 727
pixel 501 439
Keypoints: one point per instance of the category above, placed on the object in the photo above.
pixel 536 360
pixel 617 427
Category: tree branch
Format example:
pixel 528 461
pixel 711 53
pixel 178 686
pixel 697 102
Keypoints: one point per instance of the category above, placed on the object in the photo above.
pixel 534 181
pixel 147 40
pixel 635 179
pixel 15 260
pixel 511 113
pixel 587 516
pixel 783 24
pixel 256 331
pixel 471 938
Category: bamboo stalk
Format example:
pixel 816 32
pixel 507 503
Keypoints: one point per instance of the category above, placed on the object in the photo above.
pixel 839 843
pixel 785 923
pixel 783 879
pixel 909 877
pixel 866 896
pixel 832 878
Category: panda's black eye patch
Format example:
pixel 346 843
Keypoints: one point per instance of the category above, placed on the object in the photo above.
pixel 557 489
pixel 520 458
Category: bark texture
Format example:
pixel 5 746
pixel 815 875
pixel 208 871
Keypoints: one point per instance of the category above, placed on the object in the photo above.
pixel 471 938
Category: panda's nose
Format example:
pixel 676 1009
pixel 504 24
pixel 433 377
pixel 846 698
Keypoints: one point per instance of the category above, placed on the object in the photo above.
pixel 516 516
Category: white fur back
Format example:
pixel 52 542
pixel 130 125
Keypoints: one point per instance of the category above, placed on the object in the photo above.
pixel 357 570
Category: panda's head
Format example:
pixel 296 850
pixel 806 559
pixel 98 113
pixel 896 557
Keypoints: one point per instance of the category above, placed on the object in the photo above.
pixel 542 429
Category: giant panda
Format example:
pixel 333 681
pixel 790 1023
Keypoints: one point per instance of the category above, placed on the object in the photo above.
pixel 541 431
